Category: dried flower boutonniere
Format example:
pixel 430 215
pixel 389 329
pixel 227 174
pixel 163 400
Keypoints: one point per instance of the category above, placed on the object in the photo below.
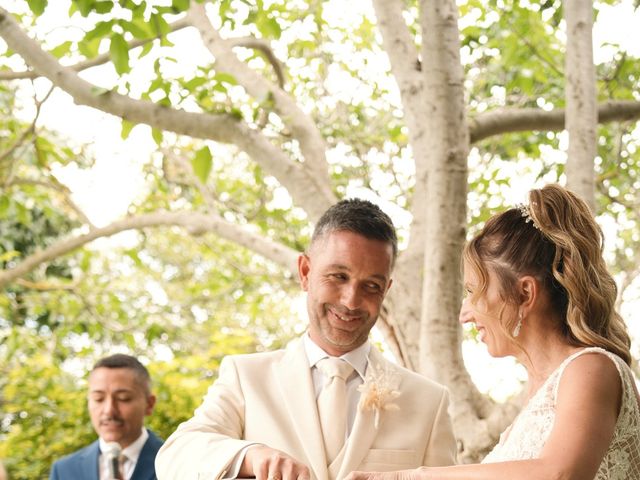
pixel 378 391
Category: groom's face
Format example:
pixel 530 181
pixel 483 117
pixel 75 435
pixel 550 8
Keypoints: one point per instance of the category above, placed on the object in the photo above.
pixel 346 277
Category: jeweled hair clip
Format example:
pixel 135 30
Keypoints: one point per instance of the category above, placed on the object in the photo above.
pixel 526 214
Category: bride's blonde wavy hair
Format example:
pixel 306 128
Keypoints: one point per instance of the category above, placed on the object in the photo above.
pixel 556 240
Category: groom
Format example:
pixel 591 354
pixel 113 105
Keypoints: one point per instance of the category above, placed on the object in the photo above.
pixel 329 403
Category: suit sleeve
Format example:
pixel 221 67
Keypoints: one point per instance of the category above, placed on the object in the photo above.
pixel 205 445
pixel 441 447
pixel 53 475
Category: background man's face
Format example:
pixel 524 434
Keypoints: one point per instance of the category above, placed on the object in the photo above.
pixel 118 403
pixel 346 277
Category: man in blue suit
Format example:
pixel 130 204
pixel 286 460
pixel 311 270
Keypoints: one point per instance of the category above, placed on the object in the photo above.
pixel 119 399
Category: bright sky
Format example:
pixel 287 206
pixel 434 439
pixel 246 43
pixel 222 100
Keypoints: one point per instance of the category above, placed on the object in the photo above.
pixel 106 190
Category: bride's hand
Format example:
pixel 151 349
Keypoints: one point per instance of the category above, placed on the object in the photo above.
pixel 397 475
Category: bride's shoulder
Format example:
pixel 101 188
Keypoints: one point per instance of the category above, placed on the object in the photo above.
pixel 591 376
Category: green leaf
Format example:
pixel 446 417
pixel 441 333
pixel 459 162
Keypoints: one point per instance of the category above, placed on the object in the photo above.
pixel 37 6
pixel 103 7
pixel 5 203
pixel 84 6
pixel 156 134
pixel 11 254
pixel 226 77
pixel 101 29
pixel 135 29
pixel 160 25
pixel 146 48
pixel 61 50
pixel 119 50
pixel 201 163
pixel 194 83
pixel 90 49
pixel 41 152
pixel 268 27
pixel 180 5
pixel 126 129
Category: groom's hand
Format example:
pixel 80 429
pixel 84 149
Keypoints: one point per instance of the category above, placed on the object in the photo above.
pixel 266 463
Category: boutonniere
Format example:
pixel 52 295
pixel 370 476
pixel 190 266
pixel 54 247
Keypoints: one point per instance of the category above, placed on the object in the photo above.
pixel 378 391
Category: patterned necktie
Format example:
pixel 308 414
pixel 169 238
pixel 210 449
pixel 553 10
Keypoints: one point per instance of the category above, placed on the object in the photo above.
pixel 121 461
pixel 332 405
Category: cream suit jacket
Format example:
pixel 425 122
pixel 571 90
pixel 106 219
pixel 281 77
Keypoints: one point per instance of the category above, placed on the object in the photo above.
pixel 268 398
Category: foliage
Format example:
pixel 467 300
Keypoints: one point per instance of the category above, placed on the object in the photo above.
pixel 163 294
pixel 45 406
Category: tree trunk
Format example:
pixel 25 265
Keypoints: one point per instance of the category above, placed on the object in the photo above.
pixel 444 212
pixel 582 115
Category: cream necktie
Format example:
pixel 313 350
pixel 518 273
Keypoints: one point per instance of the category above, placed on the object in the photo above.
pixel 332 405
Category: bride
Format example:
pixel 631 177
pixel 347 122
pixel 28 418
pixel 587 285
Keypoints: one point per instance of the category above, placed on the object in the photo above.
pixel 538 289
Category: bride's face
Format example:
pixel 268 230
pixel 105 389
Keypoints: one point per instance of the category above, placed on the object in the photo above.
pixel 486 309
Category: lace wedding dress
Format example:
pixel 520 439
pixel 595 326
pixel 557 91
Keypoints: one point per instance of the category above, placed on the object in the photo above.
pixel 528 433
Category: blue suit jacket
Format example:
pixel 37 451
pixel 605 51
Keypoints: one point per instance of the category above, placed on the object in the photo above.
pixel 83 464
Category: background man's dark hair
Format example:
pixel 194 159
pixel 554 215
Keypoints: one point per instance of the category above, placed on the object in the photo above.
pixel 120 360
pixel 358 216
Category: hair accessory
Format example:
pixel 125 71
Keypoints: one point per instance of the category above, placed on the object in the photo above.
pixel 516 331
pixel 526 214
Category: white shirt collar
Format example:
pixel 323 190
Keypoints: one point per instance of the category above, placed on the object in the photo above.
pixel 132 452
pixel 357 358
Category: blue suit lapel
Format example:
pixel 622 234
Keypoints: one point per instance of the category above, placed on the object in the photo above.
pixel 145 468
pixel 89 462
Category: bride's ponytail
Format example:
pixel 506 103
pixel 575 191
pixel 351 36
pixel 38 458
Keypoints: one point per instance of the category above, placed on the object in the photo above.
pixel 579 268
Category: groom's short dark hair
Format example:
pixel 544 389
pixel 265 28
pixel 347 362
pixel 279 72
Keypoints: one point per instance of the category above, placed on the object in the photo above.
pixel 358 216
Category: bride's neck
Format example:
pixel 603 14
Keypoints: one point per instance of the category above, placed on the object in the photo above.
pixel 545 352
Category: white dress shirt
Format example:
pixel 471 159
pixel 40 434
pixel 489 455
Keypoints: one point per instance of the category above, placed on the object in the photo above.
pixel 131 453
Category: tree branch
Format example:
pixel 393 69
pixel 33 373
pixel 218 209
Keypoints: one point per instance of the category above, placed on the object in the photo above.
pixel 30 130
pixel 223 128
pixel 262 46
pixel 506 120
pixel 195 223
pixel 399 45
pixel 303 129
pixel 44 286
pixel 63 190
pixel 93 62
pixel 402 52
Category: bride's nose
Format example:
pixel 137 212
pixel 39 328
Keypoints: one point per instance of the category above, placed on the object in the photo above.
pixel 465 312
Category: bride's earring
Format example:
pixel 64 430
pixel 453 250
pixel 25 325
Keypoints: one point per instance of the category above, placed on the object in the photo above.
pixel 516 331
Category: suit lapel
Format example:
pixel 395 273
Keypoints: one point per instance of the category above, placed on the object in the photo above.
pixel 145 469
pixel 363 433
pixel 89 462
pixel 294 377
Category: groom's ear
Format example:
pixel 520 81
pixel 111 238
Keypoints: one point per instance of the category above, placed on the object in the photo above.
pixel 304 266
